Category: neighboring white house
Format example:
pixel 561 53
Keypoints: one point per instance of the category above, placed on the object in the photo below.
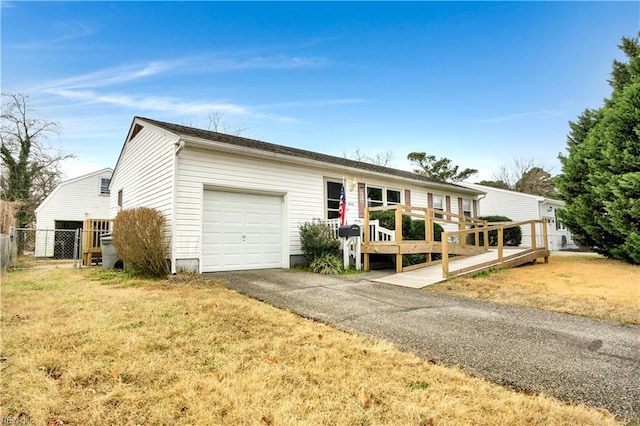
pixel 233 203
pixel 66 208
pixel 518 206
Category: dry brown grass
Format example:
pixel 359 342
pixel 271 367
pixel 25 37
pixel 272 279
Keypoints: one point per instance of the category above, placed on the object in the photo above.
pixel 580 285
pixel 86 347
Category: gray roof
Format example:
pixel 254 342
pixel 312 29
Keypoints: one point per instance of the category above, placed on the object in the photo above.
pixel 295 152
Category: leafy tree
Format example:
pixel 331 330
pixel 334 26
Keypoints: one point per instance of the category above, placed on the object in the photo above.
pixel 524 175
pixel 494 184
pixel 440 169
pixel 30 169
pixel 600 179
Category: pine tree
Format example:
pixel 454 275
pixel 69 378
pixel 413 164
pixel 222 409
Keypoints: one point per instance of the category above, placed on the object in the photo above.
pixel 600 179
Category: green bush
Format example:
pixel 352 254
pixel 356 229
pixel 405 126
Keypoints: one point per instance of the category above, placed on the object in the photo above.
pixel 139 240
pixel 512 236
pixel 327 264
pixel 317 239
pixel 411 229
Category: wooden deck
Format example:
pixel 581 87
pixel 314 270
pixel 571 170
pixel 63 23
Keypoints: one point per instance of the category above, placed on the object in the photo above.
pixel 465 265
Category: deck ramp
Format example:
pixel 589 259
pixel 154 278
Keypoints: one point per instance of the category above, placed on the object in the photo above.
pixel 429 275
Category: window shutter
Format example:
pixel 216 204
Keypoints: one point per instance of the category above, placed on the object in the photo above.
pixel 407 197
pixel 362 199
pixel 430 200
pixel 460 212
pixel 448 203
pixel 475 208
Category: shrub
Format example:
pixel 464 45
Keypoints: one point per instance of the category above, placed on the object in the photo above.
pixel 317 239
pixel 411 229
pixel 327 264
pixel 512 236
pixel 138 237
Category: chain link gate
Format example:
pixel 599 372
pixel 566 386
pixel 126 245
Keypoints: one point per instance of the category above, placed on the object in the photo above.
pixel 35 247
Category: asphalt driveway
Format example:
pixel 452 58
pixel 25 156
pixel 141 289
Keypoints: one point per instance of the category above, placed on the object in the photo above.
pixel 579 360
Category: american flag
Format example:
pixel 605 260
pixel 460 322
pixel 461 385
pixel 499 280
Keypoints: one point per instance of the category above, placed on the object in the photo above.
pixel 342 208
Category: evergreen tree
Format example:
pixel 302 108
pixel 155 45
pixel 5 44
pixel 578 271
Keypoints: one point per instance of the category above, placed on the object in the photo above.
pixel 600 179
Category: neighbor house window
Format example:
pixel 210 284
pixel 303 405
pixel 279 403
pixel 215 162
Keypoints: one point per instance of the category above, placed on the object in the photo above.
pixel 559 225
pixel 333 199
pixel 466 207
pixel 104 186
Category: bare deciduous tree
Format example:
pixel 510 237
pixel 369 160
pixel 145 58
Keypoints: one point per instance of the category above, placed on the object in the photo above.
pixel 30 167
pixel 380 158
pixel 217 123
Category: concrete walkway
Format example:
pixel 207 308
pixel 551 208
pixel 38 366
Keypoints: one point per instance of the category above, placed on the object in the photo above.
pixel 579 360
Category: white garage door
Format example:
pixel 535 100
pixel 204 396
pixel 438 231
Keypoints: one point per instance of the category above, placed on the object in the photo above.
pixel 241 231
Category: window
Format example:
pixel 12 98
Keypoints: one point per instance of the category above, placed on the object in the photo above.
pixel 466 207
pixel 559 225
pixel 333 199
pixel 438 203
pixel 393 197
pixel 120 199
pixel 383 196
pixel 374 196
pixel 104 186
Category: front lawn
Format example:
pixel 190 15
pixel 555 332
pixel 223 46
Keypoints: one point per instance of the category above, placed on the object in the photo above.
pixel 88 347
pixel 590 286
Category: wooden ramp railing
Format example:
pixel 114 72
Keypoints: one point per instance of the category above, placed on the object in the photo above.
pixel 429 245
pixel 502 261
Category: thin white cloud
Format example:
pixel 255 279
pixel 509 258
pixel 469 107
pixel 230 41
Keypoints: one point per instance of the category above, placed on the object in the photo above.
pixel 523 115
pixel 69 30
pixel 152 103
pixel 110 76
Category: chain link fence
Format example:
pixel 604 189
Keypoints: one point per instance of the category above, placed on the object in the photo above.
pixel 28 248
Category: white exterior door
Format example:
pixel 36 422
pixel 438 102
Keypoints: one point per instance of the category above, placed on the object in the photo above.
pixel 241 231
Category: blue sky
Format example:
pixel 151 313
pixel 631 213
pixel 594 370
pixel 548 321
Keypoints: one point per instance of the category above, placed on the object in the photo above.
pixel 479 82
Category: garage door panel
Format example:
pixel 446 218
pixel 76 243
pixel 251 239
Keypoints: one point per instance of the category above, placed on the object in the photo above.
pixel 241 231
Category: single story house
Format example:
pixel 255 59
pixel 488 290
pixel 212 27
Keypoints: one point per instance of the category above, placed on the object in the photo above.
pixel 233 203
pixel 519 206
pixel 66 208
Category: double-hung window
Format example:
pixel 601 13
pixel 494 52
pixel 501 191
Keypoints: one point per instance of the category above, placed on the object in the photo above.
pixel 466 207
pixel 333 199
pixel 377 196
pixel 104 186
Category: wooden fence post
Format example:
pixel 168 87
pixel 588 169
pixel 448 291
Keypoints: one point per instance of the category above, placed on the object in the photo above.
pixel 398 218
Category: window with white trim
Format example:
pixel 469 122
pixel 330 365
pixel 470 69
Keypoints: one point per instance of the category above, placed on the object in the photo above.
pixel 393 197
pixel 438 203
pixel 104 186
pixel 379 196
pixel 466 207
pixel 333 199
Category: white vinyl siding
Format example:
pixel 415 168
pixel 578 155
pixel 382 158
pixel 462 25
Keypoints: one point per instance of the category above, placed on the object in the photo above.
pixel 521 207
pixel 144 174
pixel 73 200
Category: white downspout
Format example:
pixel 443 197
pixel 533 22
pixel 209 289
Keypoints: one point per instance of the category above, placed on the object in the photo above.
pixel 174 209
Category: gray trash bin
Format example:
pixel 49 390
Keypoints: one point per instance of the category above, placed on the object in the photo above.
pixel 109 255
